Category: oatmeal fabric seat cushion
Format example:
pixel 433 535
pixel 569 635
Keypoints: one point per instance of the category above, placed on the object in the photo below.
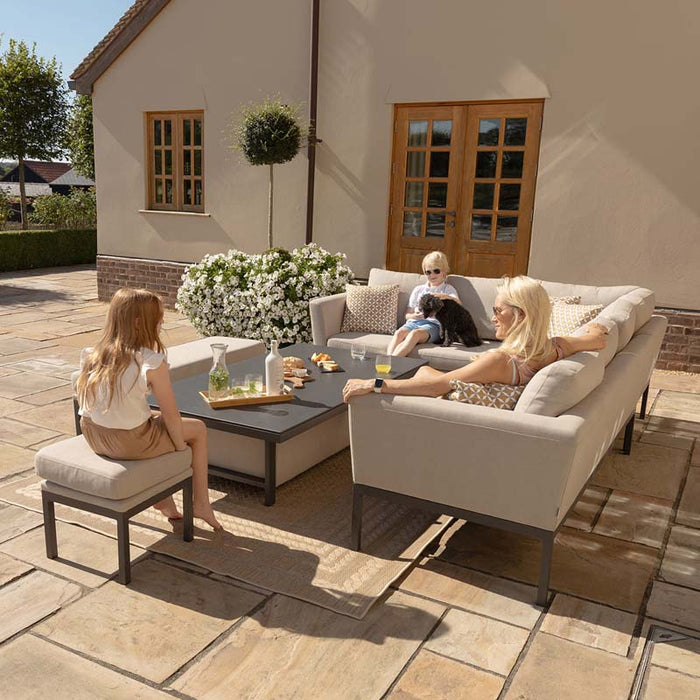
pixel 195 357
pixel 73 465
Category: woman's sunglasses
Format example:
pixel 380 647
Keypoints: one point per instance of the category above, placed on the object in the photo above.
pixel 431 272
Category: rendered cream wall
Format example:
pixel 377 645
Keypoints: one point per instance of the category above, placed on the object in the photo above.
pixel 198 55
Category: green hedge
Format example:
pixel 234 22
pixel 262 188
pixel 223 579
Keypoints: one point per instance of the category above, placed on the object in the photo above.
pixel 23 250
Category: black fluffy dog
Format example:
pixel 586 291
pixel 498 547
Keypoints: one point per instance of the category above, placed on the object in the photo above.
pixel 457 323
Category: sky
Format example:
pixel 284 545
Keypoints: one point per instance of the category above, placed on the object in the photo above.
pixel 66 29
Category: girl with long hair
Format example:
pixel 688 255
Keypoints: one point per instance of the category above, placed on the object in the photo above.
pixel 521 315
pixel 116 376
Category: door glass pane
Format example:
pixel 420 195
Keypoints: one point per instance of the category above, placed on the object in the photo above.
pixel 197 191
pixel 435 226
pixel 506 228
pixel 197 132
pixel 187 132
pixel 488 132
pixel 442 132
pixel 481 227
pixel 157 132
pixel 417 133
pixel 437 194
pixel 483 195
pixel 439 163
pixel 412 223
pixel 415 164
pixel 188 191
pixel 168 191
pixel 168 132
pixel 159 162
pixel 515 131
pixel 512 165
pixel 197 162
pixel 187 162
pixel 414 194
pixel 159 191
pixel 509 198
pixel 169 162
pixel 486 164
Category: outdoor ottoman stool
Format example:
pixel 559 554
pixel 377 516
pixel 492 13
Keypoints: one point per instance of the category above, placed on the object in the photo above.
pixel 75 476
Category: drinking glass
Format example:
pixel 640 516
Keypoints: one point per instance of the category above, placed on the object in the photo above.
pixel 254 383
pixel 358 351
pixel 382 364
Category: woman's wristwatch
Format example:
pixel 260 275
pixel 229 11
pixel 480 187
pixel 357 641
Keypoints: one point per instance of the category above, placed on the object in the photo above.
pixel 378 384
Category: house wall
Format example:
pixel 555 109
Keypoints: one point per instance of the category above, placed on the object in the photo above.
pixel 615 200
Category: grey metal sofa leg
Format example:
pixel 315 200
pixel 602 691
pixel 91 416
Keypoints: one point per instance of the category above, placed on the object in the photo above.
pixel 356 528
pixel 545 568
pixel 123 547
pixel 76 417
pixel 49 526
pixel 187 511
pixel 643 407
pixel 629 433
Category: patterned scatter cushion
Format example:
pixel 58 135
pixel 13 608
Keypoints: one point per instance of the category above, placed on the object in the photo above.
pixel 494 395
pixel 565 300
pixel 567 318
pixel 371 309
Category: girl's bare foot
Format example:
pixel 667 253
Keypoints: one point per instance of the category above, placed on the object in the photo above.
pixel 206 513
pixel 168 508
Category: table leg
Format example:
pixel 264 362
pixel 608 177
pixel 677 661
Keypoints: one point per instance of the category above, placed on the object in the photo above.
pixel 270 472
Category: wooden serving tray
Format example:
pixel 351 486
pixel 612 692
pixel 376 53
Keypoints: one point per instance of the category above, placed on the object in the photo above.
pixel 233 402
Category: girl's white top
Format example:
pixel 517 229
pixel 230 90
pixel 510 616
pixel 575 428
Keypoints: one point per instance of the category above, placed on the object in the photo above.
pixel 129 407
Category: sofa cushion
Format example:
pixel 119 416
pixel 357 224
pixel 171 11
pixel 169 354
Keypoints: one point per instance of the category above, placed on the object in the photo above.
pixel 622 312
pixel 589 294
pixel 71 463
pixel 567 318
pixel 493 395
pixel 370 309
pixel 373 342
pixel 195 357
pixel 559 386
pixel 452 356
pixel 477 295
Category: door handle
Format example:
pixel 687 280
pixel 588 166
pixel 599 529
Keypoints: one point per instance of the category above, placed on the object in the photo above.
pixel 451 224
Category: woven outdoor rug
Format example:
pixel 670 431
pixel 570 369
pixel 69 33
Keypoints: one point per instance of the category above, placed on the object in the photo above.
pixel 299 547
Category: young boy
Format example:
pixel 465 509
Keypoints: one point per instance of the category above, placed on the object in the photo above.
pixel 417 329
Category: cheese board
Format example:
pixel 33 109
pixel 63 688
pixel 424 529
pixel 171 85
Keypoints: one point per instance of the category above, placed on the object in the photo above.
pixel 250 400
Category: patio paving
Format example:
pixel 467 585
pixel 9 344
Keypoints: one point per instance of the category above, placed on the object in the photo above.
pixel 460 624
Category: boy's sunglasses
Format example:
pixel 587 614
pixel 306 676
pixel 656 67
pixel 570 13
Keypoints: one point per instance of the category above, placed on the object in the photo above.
pixel 436 271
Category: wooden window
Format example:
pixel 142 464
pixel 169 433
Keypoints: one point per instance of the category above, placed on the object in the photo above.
pixel 175 161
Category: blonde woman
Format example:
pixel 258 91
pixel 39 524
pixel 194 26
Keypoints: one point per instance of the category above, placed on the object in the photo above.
pixel 115 378
pixel 521 314
pixel 418 329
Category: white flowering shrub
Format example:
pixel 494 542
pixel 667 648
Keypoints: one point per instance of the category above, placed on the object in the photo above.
pixel 264 297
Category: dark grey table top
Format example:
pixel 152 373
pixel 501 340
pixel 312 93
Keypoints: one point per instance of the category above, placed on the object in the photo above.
pixel 316 402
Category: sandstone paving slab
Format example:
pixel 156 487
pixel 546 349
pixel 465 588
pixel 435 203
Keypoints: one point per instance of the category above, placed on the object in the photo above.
pixel 49 350
pixel 636 518
pixel 695 457
pixel 12 346
pixel 602 569
pixel 292 649
pixel 479 641
pixel 677 404
pixel 678 442
pixel 16 385
pixel 43 443
pixel 662 684
pixel 56 416
pixel 681 562
pixel 480 593
pixel 590 624
pixel 31 598
pixel 23 434
pixel 84 556
pixel 675 381
pixel 586 509
pixel 674 426
pixel 14 459
pixel 15 521
pixel 557 669
pixel 63 675
pixel 689 508
pixel 431 676
pixel 675 604
pixel 9 406
pixel 6 371
pixel 682 655
pixel 651 470
pixel 82 340
pixel 153 626
pixel 41 366
pixel 11 569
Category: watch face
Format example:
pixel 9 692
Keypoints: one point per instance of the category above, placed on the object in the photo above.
pixel 378 382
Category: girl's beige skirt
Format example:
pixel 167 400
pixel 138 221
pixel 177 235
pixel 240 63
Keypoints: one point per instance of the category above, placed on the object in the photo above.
pixel 150 439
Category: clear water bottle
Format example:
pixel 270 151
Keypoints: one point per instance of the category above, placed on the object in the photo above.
pixel 274 371
pixel 218 374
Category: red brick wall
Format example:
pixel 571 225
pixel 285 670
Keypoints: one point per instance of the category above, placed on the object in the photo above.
pixel 680 349
pixel 160 276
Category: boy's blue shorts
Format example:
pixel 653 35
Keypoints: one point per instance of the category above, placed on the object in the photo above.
pixel 419 324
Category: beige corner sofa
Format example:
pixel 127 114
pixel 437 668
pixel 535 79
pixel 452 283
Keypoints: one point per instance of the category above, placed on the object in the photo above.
pixel 519 470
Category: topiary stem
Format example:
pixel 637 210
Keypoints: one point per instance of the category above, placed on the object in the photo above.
pixel 269 210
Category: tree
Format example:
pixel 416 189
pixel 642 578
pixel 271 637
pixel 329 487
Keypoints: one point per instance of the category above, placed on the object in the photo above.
pixel 81 145
pixel 33 109
pixel 268 133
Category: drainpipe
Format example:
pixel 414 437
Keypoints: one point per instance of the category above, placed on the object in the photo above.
pixel 313 105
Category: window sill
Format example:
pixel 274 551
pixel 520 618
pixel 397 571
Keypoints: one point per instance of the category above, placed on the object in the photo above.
pixel 175 213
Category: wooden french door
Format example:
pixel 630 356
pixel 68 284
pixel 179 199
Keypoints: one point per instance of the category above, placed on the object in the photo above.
pixel 463 181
